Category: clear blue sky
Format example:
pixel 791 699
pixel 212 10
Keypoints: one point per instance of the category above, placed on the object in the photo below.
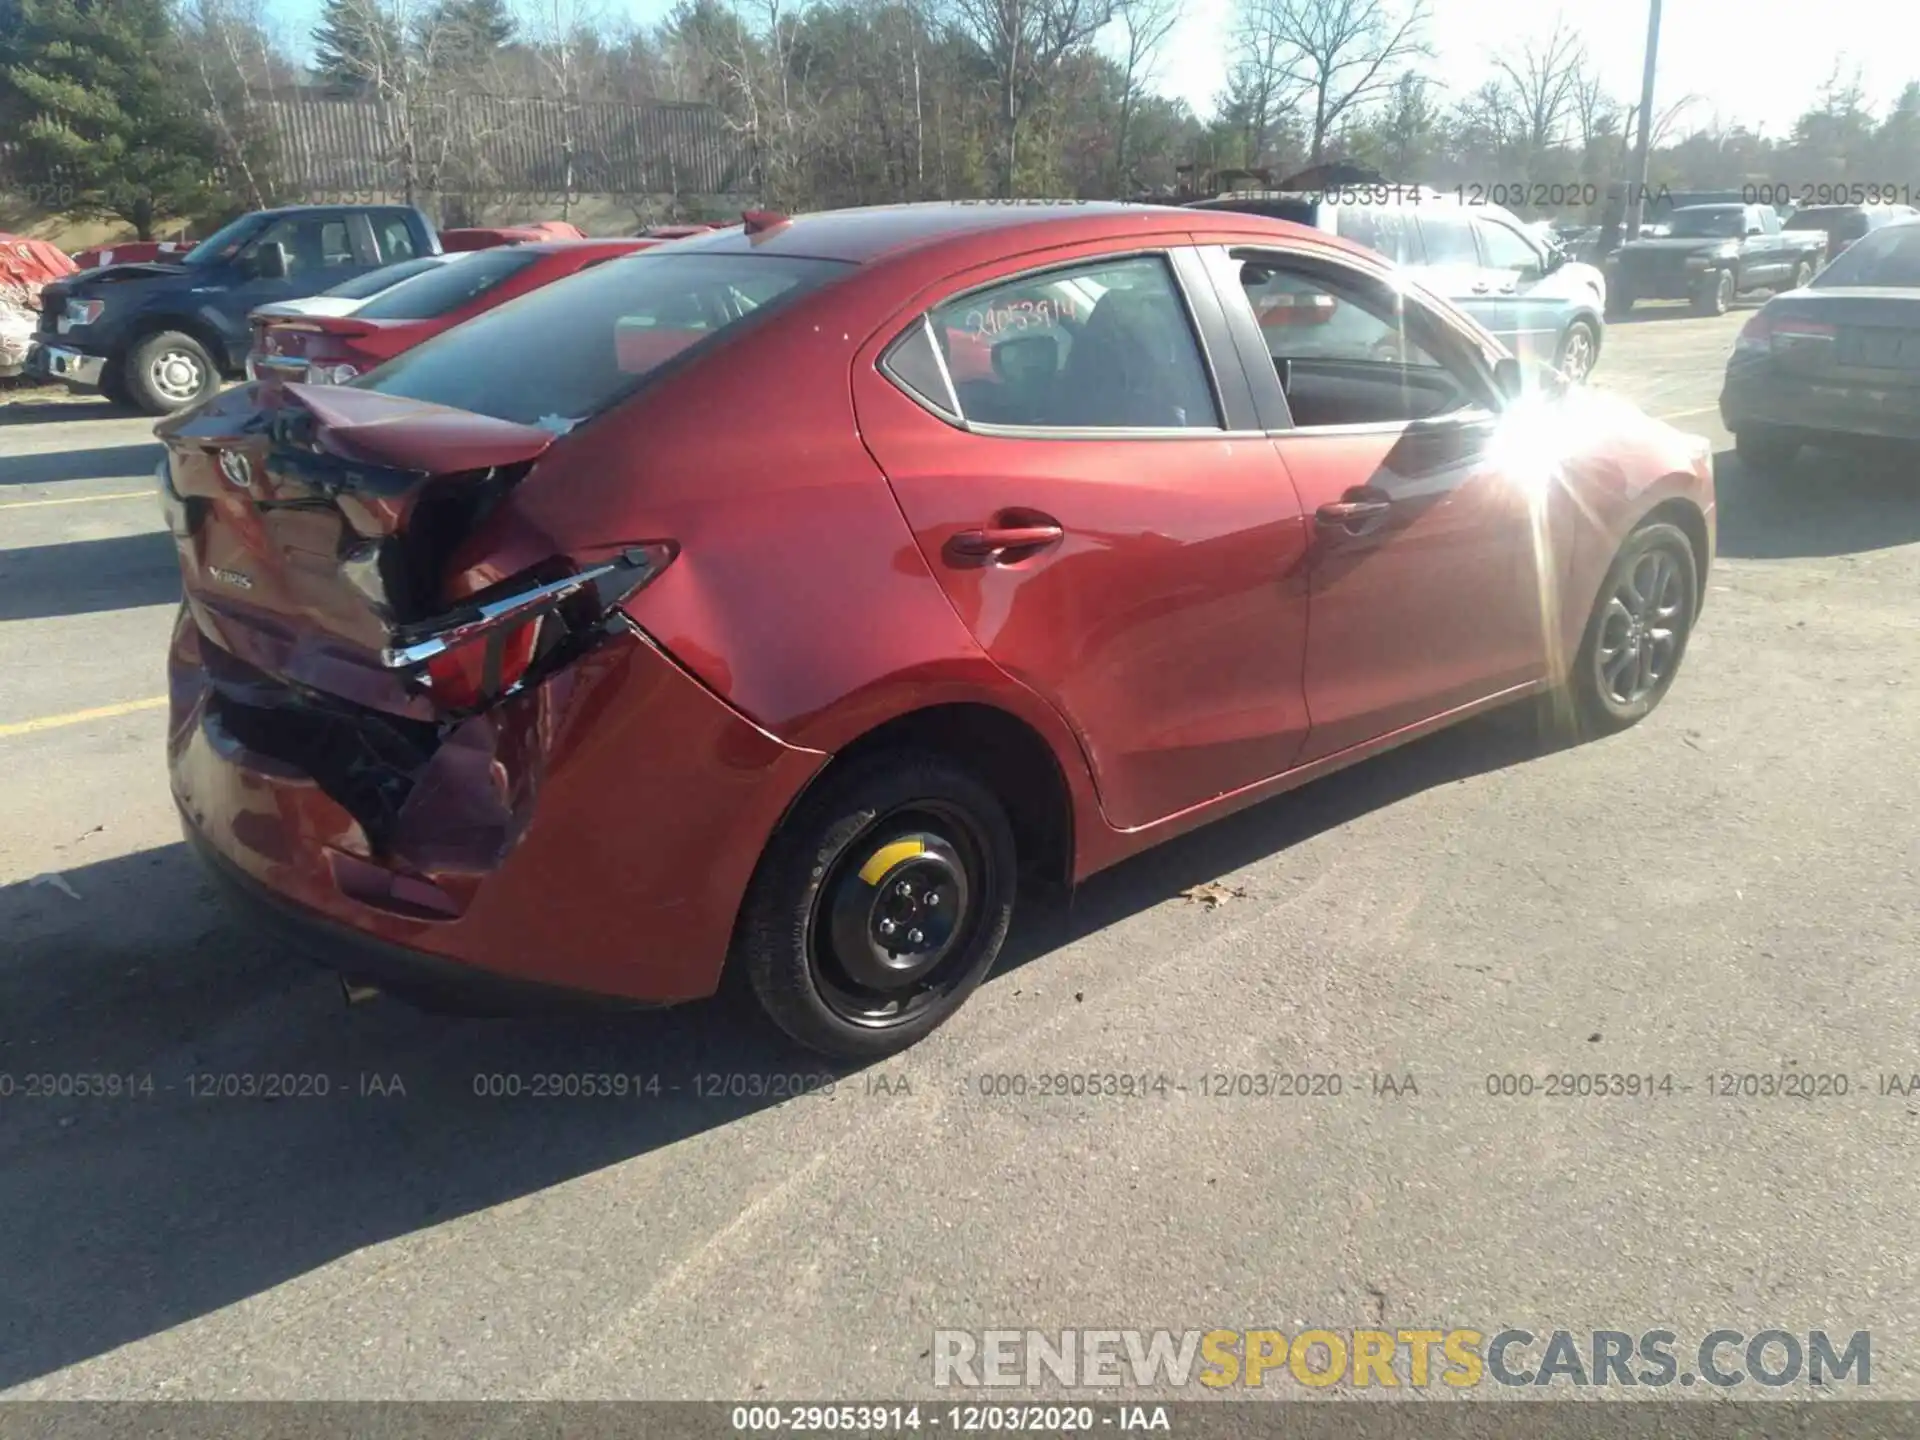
pixel 1755 62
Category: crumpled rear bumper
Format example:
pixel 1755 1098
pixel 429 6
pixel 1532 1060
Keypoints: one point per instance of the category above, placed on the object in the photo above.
pixel 592 834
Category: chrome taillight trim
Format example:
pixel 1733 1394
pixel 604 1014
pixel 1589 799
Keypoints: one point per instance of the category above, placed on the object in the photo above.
pixel 446 635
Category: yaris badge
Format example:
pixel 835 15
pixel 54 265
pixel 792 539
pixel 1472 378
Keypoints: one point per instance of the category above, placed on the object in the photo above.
pixel 237 468
pixel 235 578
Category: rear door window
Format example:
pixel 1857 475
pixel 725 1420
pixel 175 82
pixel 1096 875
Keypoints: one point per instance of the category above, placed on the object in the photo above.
pixel 1107 345
pixel 567 351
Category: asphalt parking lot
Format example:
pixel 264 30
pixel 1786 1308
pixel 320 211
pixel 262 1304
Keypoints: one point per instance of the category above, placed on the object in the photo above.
pixel 1727 889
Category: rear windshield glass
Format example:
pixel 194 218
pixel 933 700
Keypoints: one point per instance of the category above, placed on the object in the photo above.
pixel 374 281
pixel 1728 220
pixel 1842 222
pixel 570 349
pixel 448 287
pixel 1890 256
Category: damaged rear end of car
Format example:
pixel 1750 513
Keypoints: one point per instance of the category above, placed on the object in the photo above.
pixel 396 710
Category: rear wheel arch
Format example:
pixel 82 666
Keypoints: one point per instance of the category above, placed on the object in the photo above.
pixel 1008 755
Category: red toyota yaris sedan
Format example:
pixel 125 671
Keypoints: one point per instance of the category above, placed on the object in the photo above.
pixel 780 598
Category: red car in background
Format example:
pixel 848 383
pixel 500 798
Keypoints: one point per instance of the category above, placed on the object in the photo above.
pixel 333 349
pixel 698 614
pixel 485 237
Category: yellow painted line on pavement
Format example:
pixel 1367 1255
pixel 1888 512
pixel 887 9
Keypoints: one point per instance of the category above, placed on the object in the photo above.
pixel 80 717
pixel 77 499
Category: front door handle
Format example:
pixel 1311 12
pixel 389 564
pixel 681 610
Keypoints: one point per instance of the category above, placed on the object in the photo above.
pixel 992 542
pixel 1355 517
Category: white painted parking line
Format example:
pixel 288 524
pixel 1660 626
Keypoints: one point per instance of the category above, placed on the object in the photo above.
pixel 77 500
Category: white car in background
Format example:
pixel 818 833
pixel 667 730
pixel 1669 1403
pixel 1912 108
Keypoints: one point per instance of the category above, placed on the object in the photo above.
pixel 1538 302
pixel 350 295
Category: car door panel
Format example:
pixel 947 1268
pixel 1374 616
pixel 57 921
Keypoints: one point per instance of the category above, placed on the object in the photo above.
pixel 1514 297
pixel 1158 601
pixel 1422 581
pixel 1425 608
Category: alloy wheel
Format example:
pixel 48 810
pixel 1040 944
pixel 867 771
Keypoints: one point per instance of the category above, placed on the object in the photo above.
pixel 1641 629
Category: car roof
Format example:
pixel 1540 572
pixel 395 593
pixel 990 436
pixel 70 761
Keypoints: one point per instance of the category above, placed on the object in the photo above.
pixel 1715 205
pixel 865 235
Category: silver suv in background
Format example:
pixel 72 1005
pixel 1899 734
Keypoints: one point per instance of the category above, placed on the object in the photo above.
pixel 1536 301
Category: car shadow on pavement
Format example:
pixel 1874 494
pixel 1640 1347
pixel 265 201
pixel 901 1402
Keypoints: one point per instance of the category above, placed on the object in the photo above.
pixel 80 577
pixel 129 1214
pixel 180 1193
pixel 39 412
pixel 1825 503
pixel 1489 742
pixel 105 462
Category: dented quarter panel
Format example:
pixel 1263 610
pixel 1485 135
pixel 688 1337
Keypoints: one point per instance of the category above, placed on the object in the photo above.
pixel 624 879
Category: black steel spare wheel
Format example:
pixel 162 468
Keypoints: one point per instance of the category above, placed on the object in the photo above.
pixel 898 908
pixel 880 905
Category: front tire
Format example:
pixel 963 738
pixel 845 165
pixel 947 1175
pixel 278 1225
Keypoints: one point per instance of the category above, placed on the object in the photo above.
pixel 879 906
pixel 1717 296
pixel 113 384
pixel 1637 634
pixel 170 371
pixel 1579 349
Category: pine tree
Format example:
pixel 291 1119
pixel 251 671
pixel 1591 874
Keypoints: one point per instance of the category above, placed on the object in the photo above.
pixel 101 122
pixel 356 44
pixel 467 32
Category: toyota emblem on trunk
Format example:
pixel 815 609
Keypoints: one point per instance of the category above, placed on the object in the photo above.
pixel 237 468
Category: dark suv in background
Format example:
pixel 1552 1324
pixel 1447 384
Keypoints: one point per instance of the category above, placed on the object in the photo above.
pixel 1845 224
pixel 1524 289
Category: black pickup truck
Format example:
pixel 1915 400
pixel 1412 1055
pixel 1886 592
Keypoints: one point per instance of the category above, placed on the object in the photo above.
pixel 160 336
pixel 1711 254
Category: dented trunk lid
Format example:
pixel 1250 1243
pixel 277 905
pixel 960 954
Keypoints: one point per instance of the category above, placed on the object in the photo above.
pixel 316 523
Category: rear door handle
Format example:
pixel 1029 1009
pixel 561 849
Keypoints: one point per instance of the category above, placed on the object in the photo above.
pixel 993 541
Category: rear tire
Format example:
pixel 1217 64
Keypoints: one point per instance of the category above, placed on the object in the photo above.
pixel 1619 305
pixel 902 849
pixel 1802 276
pixel 1635 639
pixel 170 371
pixel 1766 451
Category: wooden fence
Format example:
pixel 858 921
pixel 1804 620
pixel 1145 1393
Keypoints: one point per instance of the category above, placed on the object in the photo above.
pixel 505 145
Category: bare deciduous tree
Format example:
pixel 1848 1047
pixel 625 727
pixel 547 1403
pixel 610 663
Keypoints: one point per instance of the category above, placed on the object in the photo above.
pixel 1341 55
pixel 1024 43
pixel 1144 27
pixel 1544 81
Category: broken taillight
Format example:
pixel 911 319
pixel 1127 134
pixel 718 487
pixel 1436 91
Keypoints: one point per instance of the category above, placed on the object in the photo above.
pixel 491 664
pixel 510 633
